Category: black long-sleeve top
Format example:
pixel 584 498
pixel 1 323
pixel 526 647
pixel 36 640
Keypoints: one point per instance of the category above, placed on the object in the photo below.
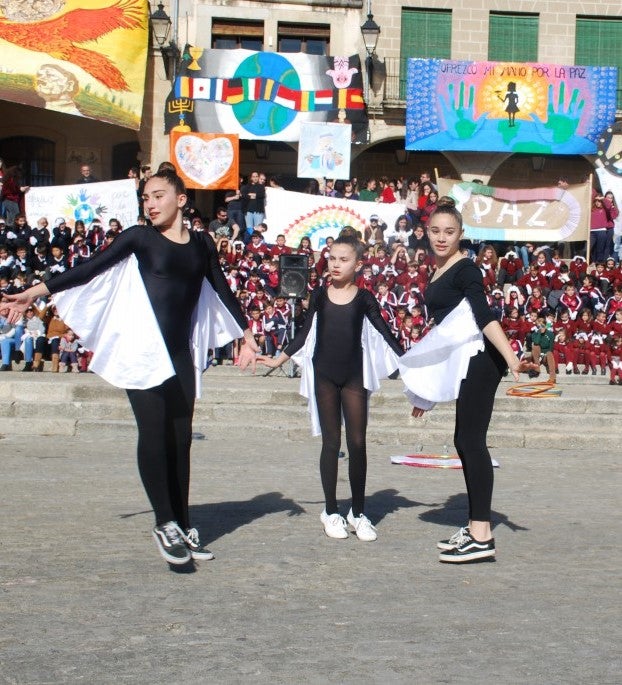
pixel 172 272
pixel 462 279
pixel 338 349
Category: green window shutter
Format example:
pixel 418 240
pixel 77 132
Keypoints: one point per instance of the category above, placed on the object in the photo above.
pixel 513 37
pixel 597 43
pixel 424 33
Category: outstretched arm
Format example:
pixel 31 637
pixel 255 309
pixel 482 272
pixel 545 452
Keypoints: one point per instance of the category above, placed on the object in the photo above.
pixel 497 337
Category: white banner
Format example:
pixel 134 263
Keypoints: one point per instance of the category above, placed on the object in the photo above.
pixel 612 182
pixel 297 215
pixel 87 201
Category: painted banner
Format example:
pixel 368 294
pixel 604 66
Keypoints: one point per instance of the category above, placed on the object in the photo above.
pixel 297 215
pixel 324 151
pixel 508 106
pixel 87 201
pixel 612 183
pixel 543 215
pixel 265 95
pixel 77 57
pixel 210 161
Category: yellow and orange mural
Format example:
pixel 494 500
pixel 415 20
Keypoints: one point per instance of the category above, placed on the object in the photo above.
pixel 81 58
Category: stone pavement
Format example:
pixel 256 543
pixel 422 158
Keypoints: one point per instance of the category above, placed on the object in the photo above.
pixel 87 599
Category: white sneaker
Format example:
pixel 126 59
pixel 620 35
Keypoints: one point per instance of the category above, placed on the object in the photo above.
pixel 362 527
pixel 334 525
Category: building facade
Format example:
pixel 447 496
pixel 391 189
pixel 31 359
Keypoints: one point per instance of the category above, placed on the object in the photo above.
pixel 53 145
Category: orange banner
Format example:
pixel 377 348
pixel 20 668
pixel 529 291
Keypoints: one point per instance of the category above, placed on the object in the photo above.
pixel 208 161
pixel 81 58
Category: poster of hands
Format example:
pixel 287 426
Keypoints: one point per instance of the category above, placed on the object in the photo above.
pixel 508 106
pixel 324 150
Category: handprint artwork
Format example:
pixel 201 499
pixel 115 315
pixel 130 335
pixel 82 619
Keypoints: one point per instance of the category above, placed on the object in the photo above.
pixel 508 107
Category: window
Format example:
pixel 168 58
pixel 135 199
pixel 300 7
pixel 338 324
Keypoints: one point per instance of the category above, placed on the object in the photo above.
pixel 230 34
pixel 425 33
pixel 314 39
pixel 35 156
pixel 513 37
pixel 597 43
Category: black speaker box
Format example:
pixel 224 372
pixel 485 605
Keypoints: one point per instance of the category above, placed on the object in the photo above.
pixel 294 272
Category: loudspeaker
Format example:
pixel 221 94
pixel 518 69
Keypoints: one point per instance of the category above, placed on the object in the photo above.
pixel 294 275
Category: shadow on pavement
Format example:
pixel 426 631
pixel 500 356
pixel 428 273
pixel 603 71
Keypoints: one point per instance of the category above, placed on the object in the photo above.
pixel 215 520
pixel 454 512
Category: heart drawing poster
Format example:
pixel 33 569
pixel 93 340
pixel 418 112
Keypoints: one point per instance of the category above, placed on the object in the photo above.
pixel 208 161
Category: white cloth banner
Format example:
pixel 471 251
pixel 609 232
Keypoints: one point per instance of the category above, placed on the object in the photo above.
pixel 296 215
pixel 86 201
pixel 612 182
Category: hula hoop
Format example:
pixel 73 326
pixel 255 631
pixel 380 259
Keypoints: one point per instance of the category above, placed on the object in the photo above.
pixel 535 390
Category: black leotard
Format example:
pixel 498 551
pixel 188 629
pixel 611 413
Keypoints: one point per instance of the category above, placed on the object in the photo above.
pixel 476 397
pixel 172 273
pixel 338 350
pixel 462 279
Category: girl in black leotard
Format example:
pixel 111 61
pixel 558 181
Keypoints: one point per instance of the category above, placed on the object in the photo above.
pixel 337 315
pixel 458 279
pixel 173 264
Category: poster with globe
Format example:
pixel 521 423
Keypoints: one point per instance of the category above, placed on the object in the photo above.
pixel 265 95
pixel 542 109
pixel 87 201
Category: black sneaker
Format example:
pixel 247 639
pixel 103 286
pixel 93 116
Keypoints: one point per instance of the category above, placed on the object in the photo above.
pixel 469 550
pixel 197 550
pixel 170 541
pixel 456 539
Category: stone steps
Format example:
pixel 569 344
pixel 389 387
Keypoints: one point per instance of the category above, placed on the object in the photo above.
pixel 587 411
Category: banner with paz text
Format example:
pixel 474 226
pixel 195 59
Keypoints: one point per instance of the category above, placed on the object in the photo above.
pixel 543 215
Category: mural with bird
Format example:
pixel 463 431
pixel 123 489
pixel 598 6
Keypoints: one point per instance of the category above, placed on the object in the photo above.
pixel 63 36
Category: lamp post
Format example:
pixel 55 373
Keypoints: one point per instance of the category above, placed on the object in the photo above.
pixel 370 31
pixel 161 28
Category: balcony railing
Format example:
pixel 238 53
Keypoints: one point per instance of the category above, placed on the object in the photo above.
pixel 394 92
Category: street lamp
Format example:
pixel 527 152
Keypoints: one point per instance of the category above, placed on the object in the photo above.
pixel 161 27
pixel 370 31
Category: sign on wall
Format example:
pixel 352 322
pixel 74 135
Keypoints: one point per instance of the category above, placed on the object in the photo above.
pixel 76 57
pixel 265 95
pixel 508 106
pixel 209 161
pixel 324 151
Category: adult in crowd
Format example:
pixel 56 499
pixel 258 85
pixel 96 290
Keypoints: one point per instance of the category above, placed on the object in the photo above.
pixel 254 200
pixel 86 175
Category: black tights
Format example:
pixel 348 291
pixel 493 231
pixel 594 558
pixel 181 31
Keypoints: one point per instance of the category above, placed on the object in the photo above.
pixel 164 420
pixel 473 411
pixel 350 397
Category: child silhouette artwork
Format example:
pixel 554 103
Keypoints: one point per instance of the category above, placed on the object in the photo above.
pixel 512 107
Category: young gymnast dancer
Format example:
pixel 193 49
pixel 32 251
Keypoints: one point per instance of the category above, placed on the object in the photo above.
pixel 342 361
pixel 136 305
pixel 463 358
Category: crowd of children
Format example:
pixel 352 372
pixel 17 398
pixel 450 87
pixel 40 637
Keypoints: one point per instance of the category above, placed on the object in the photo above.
pixel 565 313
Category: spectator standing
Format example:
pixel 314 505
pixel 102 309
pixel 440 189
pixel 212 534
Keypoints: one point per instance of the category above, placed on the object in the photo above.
pixel 253 201
pixel 86 175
